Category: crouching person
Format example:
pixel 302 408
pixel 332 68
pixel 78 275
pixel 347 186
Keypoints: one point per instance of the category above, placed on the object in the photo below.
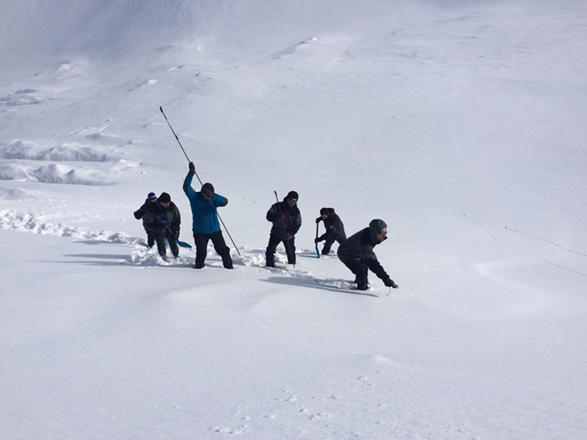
pixel 334 229
pixel 357 254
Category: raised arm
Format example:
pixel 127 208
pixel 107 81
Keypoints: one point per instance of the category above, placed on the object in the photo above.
pixel 187 186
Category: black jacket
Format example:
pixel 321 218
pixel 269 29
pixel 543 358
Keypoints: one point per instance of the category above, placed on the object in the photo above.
pixel 334 227
pixel 158 219
pixel 286 221
pixel 359 248
pixel 141 213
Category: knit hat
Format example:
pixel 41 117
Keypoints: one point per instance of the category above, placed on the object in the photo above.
pixel 292 195
pixel 151 196
pixel 164 198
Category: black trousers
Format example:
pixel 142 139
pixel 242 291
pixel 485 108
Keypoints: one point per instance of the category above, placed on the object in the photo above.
pixel 329 241
pixel 150 238
pixel 160 237
pixel 290 250
pixel 361 271
pixel 220 247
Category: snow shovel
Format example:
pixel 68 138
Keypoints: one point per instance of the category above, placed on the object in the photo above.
pixel 316 244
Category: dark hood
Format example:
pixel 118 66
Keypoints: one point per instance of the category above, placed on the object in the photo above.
pixel 375 227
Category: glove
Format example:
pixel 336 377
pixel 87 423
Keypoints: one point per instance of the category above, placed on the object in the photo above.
pixel 317 240
pixel 137 215
pixel 192 168
pixel 390 283
pixel 319 219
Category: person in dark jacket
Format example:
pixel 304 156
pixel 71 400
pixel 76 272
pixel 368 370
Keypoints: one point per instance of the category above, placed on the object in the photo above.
pixel 357 254
pixel 334 229
pixel 205 220
pixel 140 214
pixel 162 221
pixel 286 219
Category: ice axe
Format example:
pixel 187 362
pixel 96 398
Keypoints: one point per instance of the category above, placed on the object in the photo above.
pixel 315 242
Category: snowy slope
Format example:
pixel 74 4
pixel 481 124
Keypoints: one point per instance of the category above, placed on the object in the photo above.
pixel 459 123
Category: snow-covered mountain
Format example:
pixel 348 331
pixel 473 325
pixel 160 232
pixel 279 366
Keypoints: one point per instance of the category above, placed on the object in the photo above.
pixel 460 123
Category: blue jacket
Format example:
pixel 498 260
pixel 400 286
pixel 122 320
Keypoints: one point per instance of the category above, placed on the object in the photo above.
pixel 205 217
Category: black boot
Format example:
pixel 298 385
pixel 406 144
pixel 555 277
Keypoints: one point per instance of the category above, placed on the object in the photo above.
pixel 227 261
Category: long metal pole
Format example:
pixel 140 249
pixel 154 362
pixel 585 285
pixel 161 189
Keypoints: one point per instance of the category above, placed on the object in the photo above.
pixel 174 134
pixel 199 180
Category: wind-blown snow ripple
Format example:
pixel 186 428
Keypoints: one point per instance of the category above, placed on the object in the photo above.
pixel 65 152
pixel 30 223
pixel 20 98
pixel 57 173
pixel 14 194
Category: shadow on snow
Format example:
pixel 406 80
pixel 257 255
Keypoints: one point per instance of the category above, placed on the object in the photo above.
pixel 313 283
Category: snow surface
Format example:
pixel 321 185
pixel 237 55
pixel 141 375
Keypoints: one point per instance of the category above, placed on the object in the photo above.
pixel 460 123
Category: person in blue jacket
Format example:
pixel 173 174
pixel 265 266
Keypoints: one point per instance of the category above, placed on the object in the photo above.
pixel 205 220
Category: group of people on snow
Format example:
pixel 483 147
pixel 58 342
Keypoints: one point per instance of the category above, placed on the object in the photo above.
pixel 161 220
